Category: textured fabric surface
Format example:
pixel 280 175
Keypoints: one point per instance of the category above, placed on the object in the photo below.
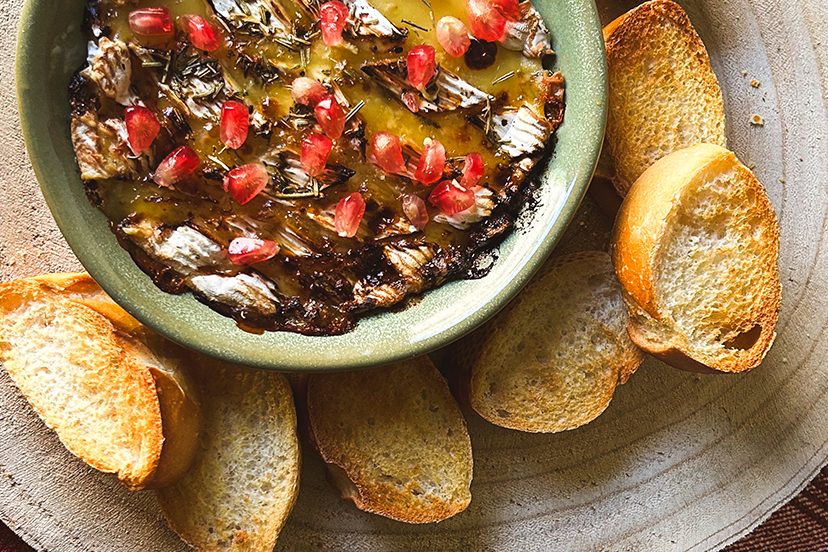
pixel 799 526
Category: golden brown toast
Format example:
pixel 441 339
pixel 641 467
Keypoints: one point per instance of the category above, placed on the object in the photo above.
pixel 695 246
pixel 550 361
pixel 394 439
pixel 663 94
pixel 116 394
pixel 244 481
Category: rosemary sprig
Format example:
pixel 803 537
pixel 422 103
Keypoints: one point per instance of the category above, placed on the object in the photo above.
pixel 488 116
pixel 430 10
pixel 282 195
pixel 166 77
pixel 243 7
pixel 287 44
pixel 223 23
pixel 410 24
pixel 504 78
pixel 354 110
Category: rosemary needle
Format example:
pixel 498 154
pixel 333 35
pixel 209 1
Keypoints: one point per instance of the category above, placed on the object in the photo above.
pixel 354 110
pixel 503 78
pixel 410 24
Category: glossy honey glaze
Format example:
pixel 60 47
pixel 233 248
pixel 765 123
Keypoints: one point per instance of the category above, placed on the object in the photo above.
pixel 316 271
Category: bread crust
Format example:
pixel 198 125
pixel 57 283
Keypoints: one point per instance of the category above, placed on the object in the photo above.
pixel 243 485
pixel 640 235
pixel 643 218
pixel 517 370
pixel 674 86
pixel 134 458
pixel 348 415
pixel 165 415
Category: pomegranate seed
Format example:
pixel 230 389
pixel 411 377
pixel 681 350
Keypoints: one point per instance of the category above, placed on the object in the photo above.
pixel 432 161
pixel 176 166
pixel 411 101
pixel 203 34
pixel 421 65
pixel 485 20
pixel 151 21
pixel 235 119
pixel 349 213
pixel 472 170
pixel 415 210
pixel 315 151
pixel 247 251
pixel 387 152
pixel 330 117
pixel 142 127
pixel 453 36
pixel 450 197
pixel 307 91
pixel 509 8
pixel 245 182
pixel 333 15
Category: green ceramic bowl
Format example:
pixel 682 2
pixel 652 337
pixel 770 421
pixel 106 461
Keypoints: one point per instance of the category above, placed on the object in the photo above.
pixel 50 48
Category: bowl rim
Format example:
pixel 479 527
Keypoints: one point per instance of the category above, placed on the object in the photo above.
pixel 190 323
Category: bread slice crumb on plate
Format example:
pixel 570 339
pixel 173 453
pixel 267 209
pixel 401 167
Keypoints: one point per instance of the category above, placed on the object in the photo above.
pixel 663 94
pixel 104 389
pixel 696 246
pixel 394 439
pixel 244 481
pixel 551 360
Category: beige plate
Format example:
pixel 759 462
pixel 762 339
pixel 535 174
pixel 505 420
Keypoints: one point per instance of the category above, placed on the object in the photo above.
pixel 678 462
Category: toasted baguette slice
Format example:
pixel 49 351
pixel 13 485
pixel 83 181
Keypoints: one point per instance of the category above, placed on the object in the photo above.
pixel 663 94
pixel 394 439
pixel 550 361
pixel 239 491
pixel 695 245
pixel 117 399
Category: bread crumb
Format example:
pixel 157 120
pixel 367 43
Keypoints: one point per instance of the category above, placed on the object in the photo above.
pixel 782 180
pixel 744 73
pixel 755 83
pixel 757 120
